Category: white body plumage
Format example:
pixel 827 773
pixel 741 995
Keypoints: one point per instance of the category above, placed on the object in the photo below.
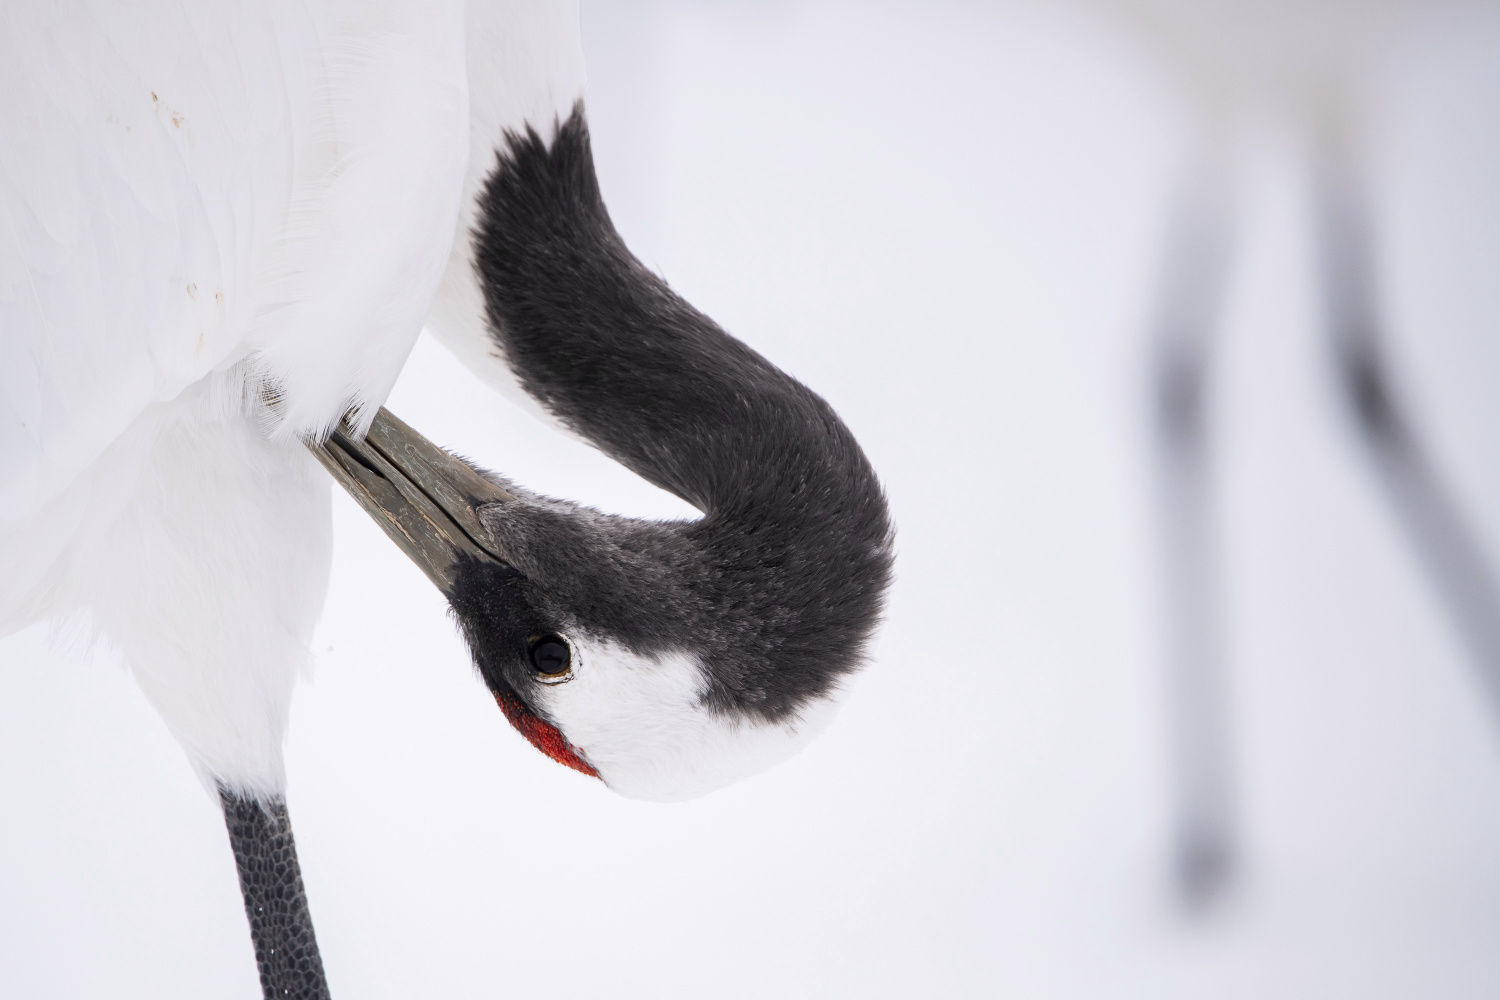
pixel 205 208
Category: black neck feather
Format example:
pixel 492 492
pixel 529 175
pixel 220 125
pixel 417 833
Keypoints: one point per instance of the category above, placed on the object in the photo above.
pixel 780 583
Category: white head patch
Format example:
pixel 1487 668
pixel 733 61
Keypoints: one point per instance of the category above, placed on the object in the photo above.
pixel 642 722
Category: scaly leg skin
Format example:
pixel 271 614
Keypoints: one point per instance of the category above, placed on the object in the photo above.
pixel 286 951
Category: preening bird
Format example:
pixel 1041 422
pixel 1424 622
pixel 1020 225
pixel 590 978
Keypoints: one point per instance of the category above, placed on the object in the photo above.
pixel 225 226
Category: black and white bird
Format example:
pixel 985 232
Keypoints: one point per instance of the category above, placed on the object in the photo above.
pixel 225 225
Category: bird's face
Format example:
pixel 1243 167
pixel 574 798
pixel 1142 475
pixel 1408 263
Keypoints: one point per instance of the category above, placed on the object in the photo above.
pixel 587 691
pixel 639 721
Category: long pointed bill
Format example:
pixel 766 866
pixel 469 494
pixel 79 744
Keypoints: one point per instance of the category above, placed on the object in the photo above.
pixel 425 499
pixel 428 502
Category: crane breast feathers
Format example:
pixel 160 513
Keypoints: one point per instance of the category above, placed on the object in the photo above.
pixel 262 194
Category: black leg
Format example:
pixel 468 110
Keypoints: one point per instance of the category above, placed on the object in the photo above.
pixel 1184 326
pixel 286 951
pixel 1449 549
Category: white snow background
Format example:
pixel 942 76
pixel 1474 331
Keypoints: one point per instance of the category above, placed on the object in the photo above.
pixel 942 217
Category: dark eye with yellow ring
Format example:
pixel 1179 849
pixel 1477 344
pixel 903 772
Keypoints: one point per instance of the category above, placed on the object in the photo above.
pixel 550 655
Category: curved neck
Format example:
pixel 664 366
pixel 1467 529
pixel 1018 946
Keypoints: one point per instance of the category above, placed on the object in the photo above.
pixel 606 346
pixel 788 565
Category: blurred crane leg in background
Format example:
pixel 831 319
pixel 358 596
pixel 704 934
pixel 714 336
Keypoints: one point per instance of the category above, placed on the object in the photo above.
pixel 1184 326
pixel 1447 546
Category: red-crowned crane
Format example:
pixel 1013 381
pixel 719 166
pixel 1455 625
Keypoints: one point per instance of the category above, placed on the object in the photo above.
pixel 224 226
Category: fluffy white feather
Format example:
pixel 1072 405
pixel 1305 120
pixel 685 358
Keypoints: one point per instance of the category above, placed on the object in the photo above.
pixel 199 203
pixel 526 68
pixel 188 188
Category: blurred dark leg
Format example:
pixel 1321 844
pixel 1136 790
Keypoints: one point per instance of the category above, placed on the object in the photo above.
pixel 1447 547
pixel 1183 331
pixel 286 952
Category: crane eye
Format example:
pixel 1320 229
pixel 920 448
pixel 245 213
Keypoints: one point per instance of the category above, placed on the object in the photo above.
pixel 552 658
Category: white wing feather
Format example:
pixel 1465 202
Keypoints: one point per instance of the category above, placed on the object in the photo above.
pixel 200 203
pixel 187 187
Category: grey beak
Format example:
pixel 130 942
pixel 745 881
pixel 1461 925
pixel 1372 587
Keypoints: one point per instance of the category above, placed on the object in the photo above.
pixel 425 499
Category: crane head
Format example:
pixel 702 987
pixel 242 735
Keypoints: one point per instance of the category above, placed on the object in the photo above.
pixel 665 657
pixel 614 645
